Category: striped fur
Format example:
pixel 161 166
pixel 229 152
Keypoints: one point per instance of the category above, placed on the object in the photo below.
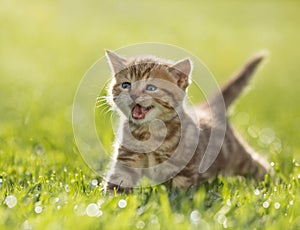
pixel 143 145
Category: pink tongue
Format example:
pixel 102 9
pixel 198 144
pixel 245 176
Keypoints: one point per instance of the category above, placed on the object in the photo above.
pixel 138 112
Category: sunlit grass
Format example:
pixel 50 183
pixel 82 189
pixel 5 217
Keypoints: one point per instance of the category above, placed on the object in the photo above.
pixel 45 49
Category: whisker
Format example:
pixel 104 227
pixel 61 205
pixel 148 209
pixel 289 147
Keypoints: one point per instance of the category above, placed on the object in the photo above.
pixel 108 111
pixel 101 99
pixel 103 96
pixel 105 99
pixel 102 105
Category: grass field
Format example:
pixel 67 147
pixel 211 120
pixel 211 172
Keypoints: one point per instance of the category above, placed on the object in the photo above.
pixel 47 46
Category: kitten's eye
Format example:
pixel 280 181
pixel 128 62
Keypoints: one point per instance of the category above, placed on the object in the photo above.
pixel 126 85
pixel 151 87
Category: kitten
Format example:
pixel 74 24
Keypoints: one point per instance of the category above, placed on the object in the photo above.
pixel 160 139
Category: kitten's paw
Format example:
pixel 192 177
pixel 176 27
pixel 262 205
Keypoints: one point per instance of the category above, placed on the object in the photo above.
pixel 183 182
pixel 113 189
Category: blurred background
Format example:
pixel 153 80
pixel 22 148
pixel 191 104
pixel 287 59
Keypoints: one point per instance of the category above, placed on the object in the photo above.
pixel 47 46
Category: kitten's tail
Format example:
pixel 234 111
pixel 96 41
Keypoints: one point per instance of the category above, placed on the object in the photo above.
pixel 239 80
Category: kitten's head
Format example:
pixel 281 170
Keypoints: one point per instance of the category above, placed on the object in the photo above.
pixel 148 88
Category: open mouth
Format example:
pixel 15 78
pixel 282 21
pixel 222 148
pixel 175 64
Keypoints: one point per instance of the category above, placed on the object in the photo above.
pixel 139 112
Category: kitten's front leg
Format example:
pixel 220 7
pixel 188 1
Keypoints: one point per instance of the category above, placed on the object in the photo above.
pixel 124 172
pixel 121 179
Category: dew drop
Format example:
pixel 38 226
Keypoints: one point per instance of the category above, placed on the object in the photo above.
pixel 38 149
pixel 277 205
pixel 67 188
pixel 299 176
pixel 256 192
pixel 276 146
pixel 154 220
pixel 100 213
pixel 266 204
pixel 253 131
pixel 140 224
pixel 38 209
pixel 291 202
pixel 178 218
pixel 92 210
pixel 264 195
pixel 266 136
pixel 54 200
pixel 140 211
pixel 26 225
pixel 228 202
pixel 272 164
pixel 221 218
pixel 195 217
pixel 94 182
pixel 11 201
pixel 122 203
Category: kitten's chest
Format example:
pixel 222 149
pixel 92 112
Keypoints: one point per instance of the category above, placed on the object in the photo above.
pixel 159 143
pixel 179 145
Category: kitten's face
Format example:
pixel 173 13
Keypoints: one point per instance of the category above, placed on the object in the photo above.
pixel 144 89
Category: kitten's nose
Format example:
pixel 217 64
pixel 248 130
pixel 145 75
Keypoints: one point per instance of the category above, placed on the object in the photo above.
pixel 134 96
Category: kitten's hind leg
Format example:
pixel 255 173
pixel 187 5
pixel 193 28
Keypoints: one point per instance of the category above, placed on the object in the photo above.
pixel 248 162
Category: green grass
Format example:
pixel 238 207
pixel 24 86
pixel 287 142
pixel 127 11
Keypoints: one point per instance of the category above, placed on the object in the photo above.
pixel 45 49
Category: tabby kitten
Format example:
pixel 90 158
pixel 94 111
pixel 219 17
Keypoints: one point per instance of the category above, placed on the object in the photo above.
pixel 160 138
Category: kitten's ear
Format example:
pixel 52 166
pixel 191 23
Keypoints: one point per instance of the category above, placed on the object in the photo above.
pixel 182 70
pixel 116 62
